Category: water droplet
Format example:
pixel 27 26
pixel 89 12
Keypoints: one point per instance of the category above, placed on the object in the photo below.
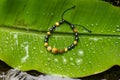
pixel 72 64
pixel 41 51
pixel 6 42
pixel 92 24
pixel 12 48
pixel 27 12
pixel 26 48
pixel 7 38
pixel 84 70
pixel 102 46
pixel 71 59
pixel 64 60
pixel 78 61
pixel 93 52
pixel 86 44
pixel 74 54
pixel 46 64
pixel 34 48
pixel 116 42
pixel 81 52
pixel 96 24
pixel 92 48
pixel 118 30
pixel 89 62
pixel 55 60
pixel 52 14
pixel 49 59
pixel 101 31
pixel 118 37
pixel 100 52
pixel 99 65
pixel 43 13
pixel 117 26
pixel 113 31
pixel 95 39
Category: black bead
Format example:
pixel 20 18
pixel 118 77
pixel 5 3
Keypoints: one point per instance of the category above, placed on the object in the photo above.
pixel 77 38
pixel 61 21
pixel 72 46
pixel 76 34
pixel 51 30
pixel 46 40
pixel 69 48
pixel 72 26
pixel 53 27
pixel 46 37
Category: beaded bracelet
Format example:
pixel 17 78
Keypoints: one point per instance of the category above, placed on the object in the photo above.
pixel 57 24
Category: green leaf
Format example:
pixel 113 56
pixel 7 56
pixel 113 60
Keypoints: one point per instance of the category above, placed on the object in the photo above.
pixel 23 25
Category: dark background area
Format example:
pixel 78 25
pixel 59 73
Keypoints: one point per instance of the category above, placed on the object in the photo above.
pixel 111 74
pixel 113 2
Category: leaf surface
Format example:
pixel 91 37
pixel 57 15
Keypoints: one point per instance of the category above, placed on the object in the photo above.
pixel 24 23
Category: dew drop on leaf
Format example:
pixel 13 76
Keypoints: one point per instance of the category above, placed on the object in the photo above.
pixel 55 60
pixel 64 60
pixel 78 61
pixel 71 59
pixel 81 52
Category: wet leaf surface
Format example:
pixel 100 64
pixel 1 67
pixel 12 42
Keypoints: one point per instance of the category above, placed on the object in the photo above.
pixel 25 23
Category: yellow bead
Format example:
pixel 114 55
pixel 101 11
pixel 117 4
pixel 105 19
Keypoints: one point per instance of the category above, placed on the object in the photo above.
pixel 46 44
pixel 48 33
pixel 75 42
pixel 49 48
pixel 66 49
pixel 54 50
pixel 57 23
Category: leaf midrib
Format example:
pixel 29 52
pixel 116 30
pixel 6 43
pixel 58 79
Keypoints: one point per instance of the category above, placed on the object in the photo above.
pixel 20 29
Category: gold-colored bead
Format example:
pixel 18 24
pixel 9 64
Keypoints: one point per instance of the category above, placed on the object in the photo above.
pixel 49 48
pixel 75 42
pixel 48 33
pixel 75 30
pixel 54 50
pixel 61 51
pixel 66 49
pixel 57 24
pixel 45 44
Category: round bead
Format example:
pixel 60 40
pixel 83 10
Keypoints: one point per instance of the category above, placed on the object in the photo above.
pixel 51 29
pixel 76 34
pixel 54 50
pixel 75 42
pixel 75 30
pixel 69 48
pixel 61 51
pixel 47 37
pixel 72 46
pixel 72 26
pixel 46 40
pixel 77 38
pixel 48 33
pixel 66 49
pixel 49 48
pixel 61 22
pixel 57 23
pixel 45 44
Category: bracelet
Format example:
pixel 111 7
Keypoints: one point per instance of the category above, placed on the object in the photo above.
pixel 57 24
pixel 56 50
